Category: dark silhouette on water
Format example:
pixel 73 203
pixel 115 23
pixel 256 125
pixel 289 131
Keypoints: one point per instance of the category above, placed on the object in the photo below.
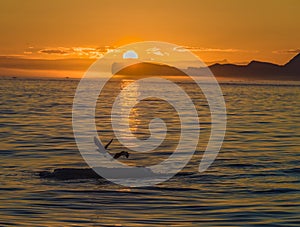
pixel 70 174
pixel 89 173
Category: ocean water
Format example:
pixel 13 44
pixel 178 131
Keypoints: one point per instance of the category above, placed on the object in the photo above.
pixel 255 180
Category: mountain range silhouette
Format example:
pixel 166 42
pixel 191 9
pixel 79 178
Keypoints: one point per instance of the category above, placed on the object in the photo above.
pixel 254 70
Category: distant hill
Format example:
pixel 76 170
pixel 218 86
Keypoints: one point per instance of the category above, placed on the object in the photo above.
pixel 147 69
pixel 257 70
pixel 254 70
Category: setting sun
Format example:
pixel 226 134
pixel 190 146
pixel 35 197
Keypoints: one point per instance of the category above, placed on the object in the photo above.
pixel 130 54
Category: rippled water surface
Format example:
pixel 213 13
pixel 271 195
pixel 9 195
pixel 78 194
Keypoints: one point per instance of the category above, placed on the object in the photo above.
pixel 254 181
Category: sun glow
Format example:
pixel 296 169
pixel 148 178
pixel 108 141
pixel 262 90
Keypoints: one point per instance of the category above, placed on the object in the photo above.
pixel 130 54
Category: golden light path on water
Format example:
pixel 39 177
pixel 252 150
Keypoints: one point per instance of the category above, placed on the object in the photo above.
pixel 254 181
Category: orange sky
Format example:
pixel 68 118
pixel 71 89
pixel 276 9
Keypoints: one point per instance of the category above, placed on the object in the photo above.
pixel 222 31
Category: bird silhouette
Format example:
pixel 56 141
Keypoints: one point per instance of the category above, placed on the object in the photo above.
pixel 106 146
pixel 100 148
pixel 118 155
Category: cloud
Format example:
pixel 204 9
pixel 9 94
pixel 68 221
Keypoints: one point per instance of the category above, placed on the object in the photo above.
pixel 156 51
pixel 204 49
pixel 289 51
pixel 89 52
pixel 97 52
pixel 59 50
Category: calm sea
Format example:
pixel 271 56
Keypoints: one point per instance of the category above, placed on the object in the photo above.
pixel 255 180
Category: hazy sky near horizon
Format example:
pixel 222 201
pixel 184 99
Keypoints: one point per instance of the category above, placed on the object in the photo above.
pixel 237 31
